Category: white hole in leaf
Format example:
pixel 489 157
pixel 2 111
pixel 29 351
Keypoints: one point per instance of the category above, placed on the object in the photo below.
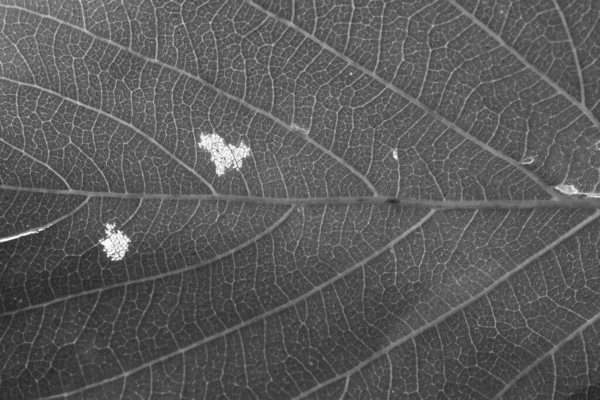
pixel 115 244
pixel 395 154
pixel 225 156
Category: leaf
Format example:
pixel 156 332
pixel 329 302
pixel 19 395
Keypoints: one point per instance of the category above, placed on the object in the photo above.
pixel 300 199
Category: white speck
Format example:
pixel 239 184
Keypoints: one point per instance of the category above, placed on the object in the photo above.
pixel 299 128
pixel 115 244
pixel 395 154
pixel 225 156
pixel 567 189
pixel 527 160
pixel 572 190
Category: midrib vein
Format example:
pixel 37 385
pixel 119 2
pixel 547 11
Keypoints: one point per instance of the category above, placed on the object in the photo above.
pixel 566 202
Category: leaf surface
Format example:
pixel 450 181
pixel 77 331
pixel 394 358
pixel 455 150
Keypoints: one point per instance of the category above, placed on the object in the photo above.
pixel 262 199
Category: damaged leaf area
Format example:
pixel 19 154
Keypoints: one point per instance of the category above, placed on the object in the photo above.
pixel 115 243
pixel 224 156
pixel 572 190
pixel 300 200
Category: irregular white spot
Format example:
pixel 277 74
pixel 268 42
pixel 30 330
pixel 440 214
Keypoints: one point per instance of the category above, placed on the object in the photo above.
pixel 395 154
pixel 567 189
pixel 225 156
pixel 299 128
pixel 115 244
pixel 527 160
pixel 572 191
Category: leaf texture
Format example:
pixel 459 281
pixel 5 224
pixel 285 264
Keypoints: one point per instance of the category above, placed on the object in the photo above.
pixel 300 199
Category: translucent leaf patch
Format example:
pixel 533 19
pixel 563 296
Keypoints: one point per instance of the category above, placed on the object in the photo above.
pixel 115 244
pixel 225 156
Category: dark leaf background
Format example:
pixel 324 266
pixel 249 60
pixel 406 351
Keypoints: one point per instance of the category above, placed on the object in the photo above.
pixel 290 276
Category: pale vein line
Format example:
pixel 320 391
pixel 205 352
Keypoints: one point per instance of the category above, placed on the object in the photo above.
pixel 49 224
pixel 267 114
pixel 575 56
pixel 566 202
pixel 467 303
pixel 262 317
pixel 342 395
pixel 390 376
pixel 26 233
pixel 414 101
pixel 239 247
pixel 119 121
pixel 581 106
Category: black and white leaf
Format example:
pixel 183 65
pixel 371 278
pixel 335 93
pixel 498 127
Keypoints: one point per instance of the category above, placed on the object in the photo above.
pixel 300 199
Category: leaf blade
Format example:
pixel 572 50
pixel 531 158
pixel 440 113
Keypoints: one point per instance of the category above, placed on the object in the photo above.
pixel 396 229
